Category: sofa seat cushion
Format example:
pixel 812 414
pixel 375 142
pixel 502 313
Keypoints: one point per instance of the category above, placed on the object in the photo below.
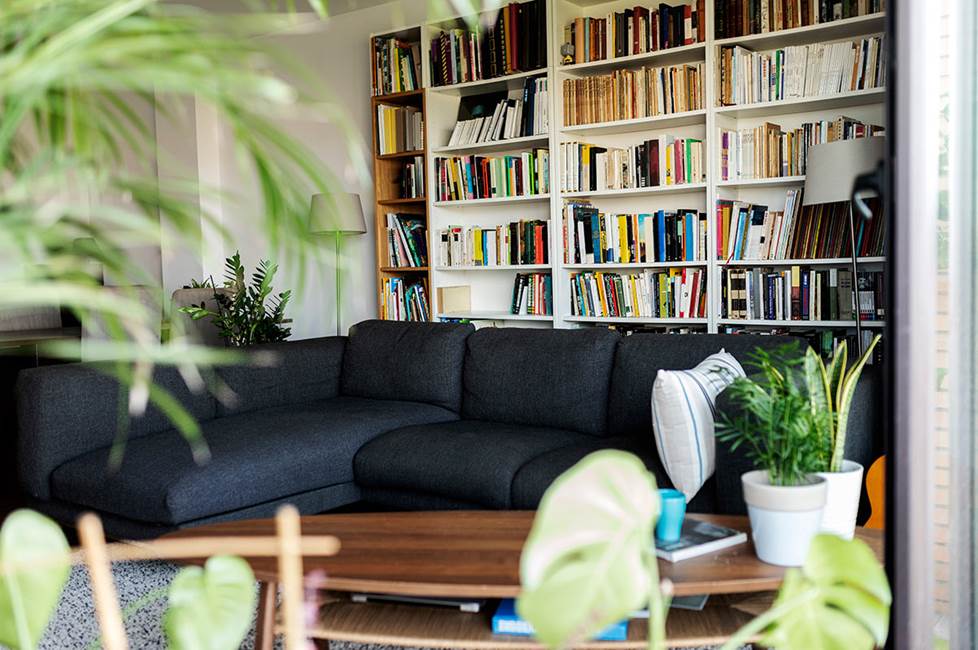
pixel 467 460
pixel 256 457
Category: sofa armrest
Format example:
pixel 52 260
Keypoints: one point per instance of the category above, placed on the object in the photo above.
pixel 290 372
pixel 64 411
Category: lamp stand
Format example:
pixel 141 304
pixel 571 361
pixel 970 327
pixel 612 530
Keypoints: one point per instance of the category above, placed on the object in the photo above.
pixel 336 259
pixel 855 282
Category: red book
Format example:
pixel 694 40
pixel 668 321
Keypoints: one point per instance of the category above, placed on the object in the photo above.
pixel 694 298
pixel 538 244
pixel 700 20
pixel 636 29
pixel 687 25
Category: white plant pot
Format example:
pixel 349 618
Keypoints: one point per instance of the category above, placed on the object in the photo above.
pixel 842 499
pixel 783 520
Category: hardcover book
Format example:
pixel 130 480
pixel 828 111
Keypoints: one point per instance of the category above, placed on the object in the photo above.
pixel 699 538
pixel 507 621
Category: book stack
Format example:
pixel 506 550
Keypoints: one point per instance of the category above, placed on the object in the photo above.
pixel 743 17
pixel 666 160
pixel 399 128
pixel 403 300
pixel 406 241
pixel 412 178
pixel 483 177
pixel 511 118
pixel 592 237
pixel 636 31
pixel 752 232
pixel 532 294
pixel 795 72
pixel 800 294
pixel 397 66
pixel 633 94
pixel 672 293
pixel 519 242
pixel 767 151
pixel 516 41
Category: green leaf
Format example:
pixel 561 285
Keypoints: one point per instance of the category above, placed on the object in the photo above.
pixel 848 389
pixel 211 608
pixel 35 559
pixel 584 563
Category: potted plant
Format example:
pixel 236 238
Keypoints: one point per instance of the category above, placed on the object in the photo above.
pixel 785 496
pixel 831 389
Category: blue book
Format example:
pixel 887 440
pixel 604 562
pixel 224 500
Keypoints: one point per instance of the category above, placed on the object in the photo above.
pixel 660 219
pixel 741 228
pixel 596 237
pixel 690 243
pixel 507 621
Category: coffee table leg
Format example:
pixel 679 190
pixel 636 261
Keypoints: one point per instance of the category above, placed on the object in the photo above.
pixel 265 627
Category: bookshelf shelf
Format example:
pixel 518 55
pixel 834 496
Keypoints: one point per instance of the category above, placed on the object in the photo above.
pixel 804 105
pixel 408 96
pixel 826 261
pixel 800 324
pixel 530 141
pixel 635 265
pixel 683 54
pixel 482 86
pixel 499 200
pixel 638 321
pixel 397 155
pixel 831 31
pixel 638 191
pixel 495 315
pixel 656 122
pixel 404 269
pixel 763 182
pixel 411 201
pixel 496 267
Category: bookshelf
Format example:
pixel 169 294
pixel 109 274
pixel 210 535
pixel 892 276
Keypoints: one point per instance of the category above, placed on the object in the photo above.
pixel 491 286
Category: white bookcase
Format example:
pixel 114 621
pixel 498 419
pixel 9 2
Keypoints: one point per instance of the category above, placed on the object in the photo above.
pixel 491 287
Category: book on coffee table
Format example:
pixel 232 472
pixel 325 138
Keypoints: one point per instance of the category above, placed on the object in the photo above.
pixel 507 621
pixel 699 538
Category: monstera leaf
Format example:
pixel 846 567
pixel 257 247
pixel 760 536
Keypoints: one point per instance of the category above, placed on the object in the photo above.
pixel 839 600
pixel 211 608
pixel 34 556
pixel 589 560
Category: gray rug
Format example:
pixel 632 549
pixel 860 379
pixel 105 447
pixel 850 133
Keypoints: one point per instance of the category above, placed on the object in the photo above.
pixel 142 594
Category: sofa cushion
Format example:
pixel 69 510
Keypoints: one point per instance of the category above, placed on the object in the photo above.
pixel 290 372
pixel 418 362
pixel 640 357
pixel 466 460
pixel 547 378
pixel 255 457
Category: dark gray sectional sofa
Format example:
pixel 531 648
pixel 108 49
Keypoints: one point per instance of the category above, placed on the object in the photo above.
pixel 401 415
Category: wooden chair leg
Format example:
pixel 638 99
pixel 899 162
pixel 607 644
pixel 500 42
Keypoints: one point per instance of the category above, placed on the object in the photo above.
pixel 265 627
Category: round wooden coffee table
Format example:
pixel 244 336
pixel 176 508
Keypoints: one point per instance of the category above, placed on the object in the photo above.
pixel 475 554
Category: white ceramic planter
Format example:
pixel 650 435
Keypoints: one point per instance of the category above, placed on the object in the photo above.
pixel 783 520
pixel 842 499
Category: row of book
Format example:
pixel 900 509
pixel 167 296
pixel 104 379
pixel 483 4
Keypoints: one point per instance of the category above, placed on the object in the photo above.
pixel 516 243
pixel 666 160
pixel 635 31
pixel 411 180
pixel 532 294
pixel 484 177
pixel 406 241
pixel 405 300
pixel 634 94
pixel 767 151
pixel 743 17
pixel 672 293
pixel 511 118
pixel 399 128
pixel 397 66
pixel 795 72
pixel 823 340
pixel 593 237
pixel 748 231
pixel 516 41
pixel 801 293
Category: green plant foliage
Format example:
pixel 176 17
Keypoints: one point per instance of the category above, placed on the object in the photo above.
pixel 782 431
pixel 590 560
pixel 839 600
pixel 210 608
pixel 35 559
pixel 244 318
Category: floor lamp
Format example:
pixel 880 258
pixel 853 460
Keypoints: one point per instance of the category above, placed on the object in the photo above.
pixel 337 215
pixel 830 173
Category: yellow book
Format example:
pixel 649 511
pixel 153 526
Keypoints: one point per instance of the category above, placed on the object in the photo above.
pixel 601 295
pixel 669 173
pixel 633 285
pixel 623 239
pixel 477 257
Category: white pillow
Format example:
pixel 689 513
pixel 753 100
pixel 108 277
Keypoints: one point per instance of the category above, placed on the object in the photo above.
pixel 682 418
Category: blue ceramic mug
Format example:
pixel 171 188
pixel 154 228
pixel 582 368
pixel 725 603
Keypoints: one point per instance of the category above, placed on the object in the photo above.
pixel 671 515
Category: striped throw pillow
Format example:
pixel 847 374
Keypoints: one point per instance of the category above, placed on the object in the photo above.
pixel 683 418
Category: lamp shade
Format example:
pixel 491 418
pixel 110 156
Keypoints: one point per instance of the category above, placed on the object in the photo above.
pixel 832 168
pixel 336 213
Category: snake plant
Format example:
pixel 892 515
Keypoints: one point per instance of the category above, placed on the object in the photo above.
pixel 832 389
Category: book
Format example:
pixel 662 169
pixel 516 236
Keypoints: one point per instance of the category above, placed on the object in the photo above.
pixel 406 241
pixel 472 606
pixel 670 293
pixel 404 300
pixel 411 180
pixel 396 66
pixel 399 129
pixel 460 178
pixel 588 167
pixel 516 243
pixel 775 15
pixel 699 538
pixel 507 621
pixel 497 116
pixel 532 294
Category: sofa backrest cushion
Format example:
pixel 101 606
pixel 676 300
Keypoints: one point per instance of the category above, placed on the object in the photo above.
pixel 640 357
pixel 290 372
pixel 415 362
pixel 555 378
